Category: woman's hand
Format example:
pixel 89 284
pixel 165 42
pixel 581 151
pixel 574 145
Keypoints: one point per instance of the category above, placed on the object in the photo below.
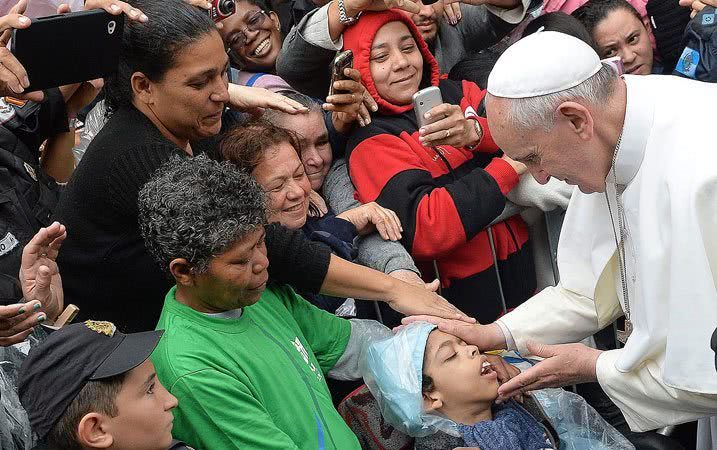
pixel 410 277
pixel 448 126
pixel 254 100
pixel 372 216
pixel 519 167
pixel 697 5
pixel 317 205
pixel 350 102
pixel 353 7
pixel 452 12
pixel 117 7
pixel 39 275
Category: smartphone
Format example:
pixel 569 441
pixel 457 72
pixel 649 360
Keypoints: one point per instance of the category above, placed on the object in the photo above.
pixel 68 48
pixel 342 61
pixel 424 101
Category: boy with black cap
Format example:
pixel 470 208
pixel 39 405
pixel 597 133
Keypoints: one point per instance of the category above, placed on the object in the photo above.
pixel 90 386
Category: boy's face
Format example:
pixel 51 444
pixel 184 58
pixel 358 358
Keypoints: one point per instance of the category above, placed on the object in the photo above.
pixel 458 371
pixel 144 412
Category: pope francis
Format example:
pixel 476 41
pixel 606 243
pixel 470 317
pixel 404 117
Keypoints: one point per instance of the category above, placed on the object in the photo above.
pixel 640 233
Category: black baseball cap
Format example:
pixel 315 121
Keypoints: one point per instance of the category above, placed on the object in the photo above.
pixel 55 372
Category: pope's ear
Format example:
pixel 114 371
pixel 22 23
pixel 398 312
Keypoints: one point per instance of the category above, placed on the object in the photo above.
pixel 578 119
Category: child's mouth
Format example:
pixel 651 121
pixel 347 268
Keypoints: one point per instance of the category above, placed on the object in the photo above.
pixel 486 369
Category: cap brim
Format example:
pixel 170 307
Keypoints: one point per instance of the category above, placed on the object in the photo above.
pixel 134 349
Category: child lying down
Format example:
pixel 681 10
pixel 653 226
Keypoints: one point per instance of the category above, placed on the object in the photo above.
pixel 428 381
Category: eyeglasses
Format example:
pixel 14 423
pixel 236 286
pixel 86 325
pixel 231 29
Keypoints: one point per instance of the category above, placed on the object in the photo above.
pixel 253 23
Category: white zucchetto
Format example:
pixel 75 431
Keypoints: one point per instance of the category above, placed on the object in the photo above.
pixel 542 63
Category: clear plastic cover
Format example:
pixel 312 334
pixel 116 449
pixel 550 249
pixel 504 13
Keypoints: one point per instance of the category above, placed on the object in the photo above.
pixel 578 425
pixel 392 369
pixel 15 433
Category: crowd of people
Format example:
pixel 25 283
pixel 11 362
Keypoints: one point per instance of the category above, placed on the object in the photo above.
pixel 250 238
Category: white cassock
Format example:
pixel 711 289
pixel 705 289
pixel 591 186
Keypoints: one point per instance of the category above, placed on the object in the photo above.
pixel 667 165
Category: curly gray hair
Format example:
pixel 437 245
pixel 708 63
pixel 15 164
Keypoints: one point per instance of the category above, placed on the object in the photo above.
pixel 196 209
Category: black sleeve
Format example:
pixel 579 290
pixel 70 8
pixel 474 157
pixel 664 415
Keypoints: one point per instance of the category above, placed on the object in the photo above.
pixel 295 260
pixel 304 66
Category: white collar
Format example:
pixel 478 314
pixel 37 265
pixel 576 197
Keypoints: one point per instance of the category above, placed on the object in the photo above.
pixel 635 131
pixel 231 314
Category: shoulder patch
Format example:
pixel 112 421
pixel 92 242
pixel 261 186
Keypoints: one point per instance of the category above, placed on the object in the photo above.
pixel 7 111
pixel 8 243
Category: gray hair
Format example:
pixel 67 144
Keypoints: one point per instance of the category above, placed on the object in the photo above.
pixel 539 112
pixel 196 209
pixel 277 117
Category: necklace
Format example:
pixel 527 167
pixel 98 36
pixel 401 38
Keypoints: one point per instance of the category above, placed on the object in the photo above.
pixel 622 335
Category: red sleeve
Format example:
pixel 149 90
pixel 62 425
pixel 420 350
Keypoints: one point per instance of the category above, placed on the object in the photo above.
pixel 436 218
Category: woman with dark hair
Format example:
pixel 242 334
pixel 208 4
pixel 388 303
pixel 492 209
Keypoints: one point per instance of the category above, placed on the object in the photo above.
pixel 617 29
pixel 167 97
pixel 447 180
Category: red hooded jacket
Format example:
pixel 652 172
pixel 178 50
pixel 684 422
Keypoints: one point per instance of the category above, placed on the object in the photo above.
pixel 444 196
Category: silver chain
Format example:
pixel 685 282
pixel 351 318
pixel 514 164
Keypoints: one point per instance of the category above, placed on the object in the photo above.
pixel 619 243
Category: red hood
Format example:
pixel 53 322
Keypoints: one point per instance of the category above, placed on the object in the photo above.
pixel 359 37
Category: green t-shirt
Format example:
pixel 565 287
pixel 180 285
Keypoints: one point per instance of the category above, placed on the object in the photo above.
pixel 257 381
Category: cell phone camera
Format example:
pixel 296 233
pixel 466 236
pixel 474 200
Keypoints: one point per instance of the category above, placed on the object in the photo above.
pixel 111 27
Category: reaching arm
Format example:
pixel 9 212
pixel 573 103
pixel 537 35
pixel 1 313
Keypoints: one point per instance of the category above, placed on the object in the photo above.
pixel 374 252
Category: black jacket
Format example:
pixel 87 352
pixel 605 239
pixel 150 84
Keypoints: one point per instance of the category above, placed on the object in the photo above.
pixel 27 195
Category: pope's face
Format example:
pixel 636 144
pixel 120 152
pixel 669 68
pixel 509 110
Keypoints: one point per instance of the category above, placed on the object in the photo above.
pixel 561 153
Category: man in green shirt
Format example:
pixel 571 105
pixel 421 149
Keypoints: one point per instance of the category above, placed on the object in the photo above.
pixel 247 361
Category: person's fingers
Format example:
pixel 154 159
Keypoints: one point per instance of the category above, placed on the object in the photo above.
pixel 439 125
pixel 30 319
pixel 18 311
pixel 348 86
pixel 393 222
pixel 19 7
pixel 42 281
pixel 353 74
pixel 9 22
pixel 448 135
pixel 542 350
pixel 433 285
pixel 35 96
pixel 379 215
pixel 457 11
pixel 370 102
pixel 63 8
pixel 440 112
pixel 13 73
pixel 404 5
pixel 450 13
pixel 395 330
pixel 364 117
pixel 284 104
pixel 422 318
pixel 348 99
pixel 527 380
pixel 15 339
pixel 204 4
pixel 117 7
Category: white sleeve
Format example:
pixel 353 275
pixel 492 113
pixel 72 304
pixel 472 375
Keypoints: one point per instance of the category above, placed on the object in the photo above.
pixel 316 30
pixel 515 15
pixel 645 400
pixel 553 316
